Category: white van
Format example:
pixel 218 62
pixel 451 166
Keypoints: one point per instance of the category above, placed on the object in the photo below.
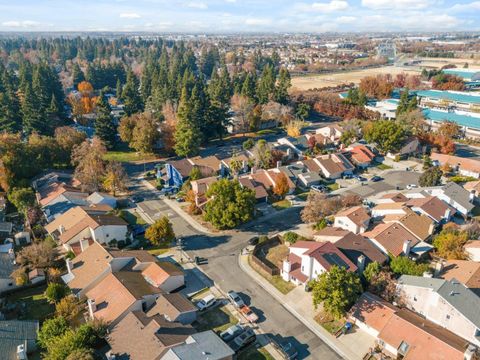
pixel 206 302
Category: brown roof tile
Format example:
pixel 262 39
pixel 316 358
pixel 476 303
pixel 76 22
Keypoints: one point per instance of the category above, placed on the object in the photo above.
pixel 353 246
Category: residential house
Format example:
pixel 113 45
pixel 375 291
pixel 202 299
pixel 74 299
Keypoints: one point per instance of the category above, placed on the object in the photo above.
pixel 248 181
pixel 18 338
pixel 419 225
pixel 332 132
pixel 308 259
pixel 431 206
pixel 465 271
pixel 300 175
pixel 355 219
pixel 473 187
pixel 299 144
pixel 205 345
pixel 393 238
pixel 22 238
pixel 461 165
pixel 141 337
pixel 5 230
pixel 360 251
pixel 7 267
pixel 36 276
pixel 394 197
pixel 330 233
pixel 268 178
pixel 448 303
pixel 176 171
pixel 410 147
pixel 402 334
pixel 472 249
pixel 175 307
pixel 118 294
pixel 243 158
pixel 98 198
pixel 390 209
pixel 319 139
pixel 334 166
pixel 359 155
pixel 454 195
pixel 200 187
pixel 164 275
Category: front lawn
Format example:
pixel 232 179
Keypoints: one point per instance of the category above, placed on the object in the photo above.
pixel 128 156
pixel 217 319
pixel 276 280
pixel 132 218
pixel 253 353
pixel 282 205
pixel 329 323
pixel 31 304
pixel 333 186
pixel 383 166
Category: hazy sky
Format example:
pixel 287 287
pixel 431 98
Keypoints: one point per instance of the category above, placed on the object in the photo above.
pixel 239 15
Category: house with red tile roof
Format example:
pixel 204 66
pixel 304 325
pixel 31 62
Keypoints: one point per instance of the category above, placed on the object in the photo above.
pixel 461 165
pixel 360 155
pixel 355 219
pixel 308 259
pixel 401 333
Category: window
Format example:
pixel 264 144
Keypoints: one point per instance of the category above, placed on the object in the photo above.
pixel 108 235
pixel 403 348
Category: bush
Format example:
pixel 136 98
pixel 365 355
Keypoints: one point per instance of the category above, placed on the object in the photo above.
pixel 70 255
pixel 121 244
pixel 248 144
pixel 321 224
pixel 290 237
pixel 56 292
pixel 51 329
pixel 402 265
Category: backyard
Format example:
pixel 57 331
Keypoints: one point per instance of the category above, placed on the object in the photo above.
pixel 217 319
pixel 29 304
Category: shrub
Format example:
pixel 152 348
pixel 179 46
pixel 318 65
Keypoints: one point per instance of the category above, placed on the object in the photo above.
pixel 55 292
pixel 402 265
pixel 290 237
pixel 248 144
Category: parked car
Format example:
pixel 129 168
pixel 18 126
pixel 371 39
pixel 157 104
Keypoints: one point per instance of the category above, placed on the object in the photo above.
pixel 360 178
pixel 249 314
pixel 288 350
pixel 232 332
pixel 253 241
pixel 235 299
pixel 137 199
pixel 411 186
pixel 376 178
pixel 207 302
pixel 319 188
pixel 201 260
pixel 244 339
pixel 179 199
pixel 348 176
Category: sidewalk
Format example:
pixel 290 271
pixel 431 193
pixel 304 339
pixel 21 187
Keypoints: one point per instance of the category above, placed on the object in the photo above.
pixel 351 346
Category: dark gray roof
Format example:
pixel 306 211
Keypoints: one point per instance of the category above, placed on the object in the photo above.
pixel 6 227
pixel 6 266
pixel 453 291
pixel 14 333
pixel 458 194
pixel 205 345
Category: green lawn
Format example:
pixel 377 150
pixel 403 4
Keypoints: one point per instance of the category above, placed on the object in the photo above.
pixel 281 205
pixel 281 285
pixel 158 250
pixel 31 304
pixel 127 156
pixel 302 195
pixel 383 167
pixel 333 186
pixel 217 319
pixel 252 353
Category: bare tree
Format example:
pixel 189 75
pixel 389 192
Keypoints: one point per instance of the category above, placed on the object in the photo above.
pixel 242 106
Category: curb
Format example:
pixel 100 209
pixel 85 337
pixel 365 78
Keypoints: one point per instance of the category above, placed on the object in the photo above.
pixel 292 311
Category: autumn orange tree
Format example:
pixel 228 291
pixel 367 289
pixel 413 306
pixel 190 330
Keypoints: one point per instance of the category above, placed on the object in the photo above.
pixel 281 187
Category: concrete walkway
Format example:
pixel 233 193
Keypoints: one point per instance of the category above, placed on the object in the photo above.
pixel 351 346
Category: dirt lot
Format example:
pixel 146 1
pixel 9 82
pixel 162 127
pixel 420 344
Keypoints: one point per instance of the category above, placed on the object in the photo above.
pixel 439 62
pixel 326 80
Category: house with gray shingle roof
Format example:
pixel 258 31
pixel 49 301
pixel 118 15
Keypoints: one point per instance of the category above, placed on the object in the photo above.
pixel 17 336
pixel 448 303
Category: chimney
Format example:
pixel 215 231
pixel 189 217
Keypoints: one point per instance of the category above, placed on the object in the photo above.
pixel 92 307
pixel 438 268
pixel 286 270
pixel 69 265
pixel 361 263
pixel 11 254
pixel 61 228
pixel 21 352
pixel 406 247
pixel 279 163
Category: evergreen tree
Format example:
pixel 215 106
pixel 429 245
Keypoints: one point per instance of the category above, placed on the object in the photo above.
pixel 9 120
pixel 187 134
pixel 266 85
pixel 118 89
pixel 284 83
pixel 220 92
pixel 104 127
pixel 248 87
pixel 77 75
pixel 53 119
pixel 131 95
pixel 31 112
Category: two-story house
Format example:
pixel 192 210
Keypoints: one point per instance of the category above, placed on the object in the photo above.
pixel 355 219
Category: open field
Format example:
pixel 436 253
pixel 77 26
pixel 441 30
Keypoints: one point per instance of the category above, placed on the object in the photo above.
pixel 325 80
pixel 439 62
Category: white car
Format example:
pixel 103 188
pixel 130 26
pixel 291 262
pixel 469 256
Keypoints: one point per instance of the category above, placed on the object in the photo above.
pixel 206 302
pixel 411 186
pixel 235 299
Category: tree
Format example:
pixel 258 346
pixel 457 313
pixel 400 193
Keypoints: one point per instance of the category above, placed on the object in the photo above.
pixel 56 292
pixel 38 255
pixel 81 354
pixel 160 232
pixel 262 153
pixel 115 178
pixel 89 164
pixel 338 289
pixel 290 237
pixel 402 265
pixel 69 308
pixel 195 173
pixel 77 75
pixel 294 128
pixel 126 127
pixel 22 199
pixel 431 177
pixel 229 204
pixel 131 95
pixel 371 270
pixel 242 107
pixel 320 206
pixel 31 113
pixel 281 187
pixel 104 126
pixel 449 129
pixel 282 86
pixel 387 134
pixel 51 329
pixel 67 138
pixel 303 111
pixel 384 285
pixel 449 244
pixel 145 133
pixel 187 134
pixel 168 126
pixel 427 162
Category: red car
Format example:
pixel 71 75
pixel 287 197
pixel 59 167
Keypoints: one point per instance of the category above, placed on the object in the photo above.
pixel 249 314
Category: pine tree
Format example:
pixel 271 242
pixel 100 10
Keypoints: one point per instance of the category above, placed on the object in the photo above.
pixel 283 84
pixel 403 104
pixel 248 87
pixel 31 115
pixel 219 90
pixel 131 95
pixel 53 119
pixel 118 89
pixel 266 85
pixel 104 127
pixel 8 119
pixel 77 75
pixel 187 134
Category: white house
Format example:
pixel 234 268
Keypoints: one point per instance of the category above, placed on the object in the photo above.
pixel 332 132
pixel 102 198
pixel 355 219
pixel 454 195
pixel 463 166
pixel 449 304
pixel 308 259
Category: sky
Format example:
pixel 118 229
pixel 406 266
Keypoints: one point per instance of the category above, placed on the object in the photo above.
pixel 205 16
